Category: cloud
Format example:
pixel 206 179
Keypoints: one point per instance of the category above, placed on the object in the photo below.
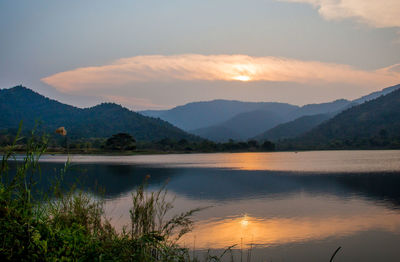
pixel 135 71
pixel 133 102
pixel 375 13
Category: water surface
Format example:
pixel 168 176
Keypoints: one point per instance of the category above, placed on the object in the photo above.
pixel 282 206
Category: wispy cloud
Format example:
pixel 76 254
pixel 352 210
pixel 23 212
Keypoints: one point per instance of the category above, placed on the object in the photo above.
pixel 376 13
pixel 133 102
pixel 137 70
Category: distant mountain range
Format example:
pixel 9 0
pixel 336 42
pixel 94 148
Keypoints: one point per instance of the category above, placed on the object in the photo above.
pixel 370 120
pixel 101 121
pixel 241 127
pixel 221 120
pixel 198 115
pixel 250 124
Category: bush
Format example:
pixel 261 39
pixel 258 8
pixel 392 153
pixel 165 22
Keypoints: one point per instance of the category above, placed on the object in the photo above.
pixel 71 226
pixel 121 141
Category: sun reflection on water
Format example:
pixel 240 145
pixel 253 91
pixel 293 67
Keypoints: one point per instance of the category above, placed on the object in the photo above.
pixel 247 230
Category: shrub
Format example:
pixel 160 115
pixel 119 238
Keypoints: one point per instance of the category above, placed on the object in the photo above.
pixel 71 226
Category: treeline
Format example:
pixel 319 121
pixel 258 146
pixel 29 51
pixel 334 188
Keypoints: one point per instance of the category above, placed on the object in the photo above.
pixel 54 142
pixel 206 146
pixel 380 141
pixel 123 142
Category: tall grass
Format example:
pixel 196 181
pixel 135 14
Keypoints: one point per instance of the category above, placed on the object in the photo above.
pixel 71 225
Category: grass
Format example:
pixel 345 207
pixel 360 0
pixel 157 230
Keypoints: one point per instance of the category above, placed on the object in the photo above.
pixel 71 225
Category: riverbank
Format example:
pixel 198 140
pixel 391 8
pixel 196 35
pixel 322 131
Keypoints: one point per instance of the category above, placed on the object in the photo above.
pixel 96 151
pixel 70 225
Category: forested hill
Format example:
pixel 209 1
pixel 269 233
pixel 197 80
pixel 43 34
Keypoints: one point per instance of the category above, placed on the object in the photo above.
pixel 20 103
pixel 375 123
pixel 294 128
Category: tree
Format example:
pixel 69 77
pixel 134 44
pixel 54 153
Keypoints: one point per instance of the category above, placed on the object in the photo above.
pixel 121 141
pixel 252 143
pixel 268 146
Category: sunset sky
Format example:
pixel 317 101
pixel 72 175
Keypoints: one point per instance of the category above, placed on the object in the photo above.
pixel 159 54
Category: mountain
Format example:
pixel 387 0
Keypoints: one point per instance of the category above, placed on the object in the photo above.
pixel 248 125
pixel 293 128
pixel 218 133
pixel 198 115
pixel 322 108
pixel 373 123
pixel 20 103
pixel 376 94
pixel 220 120
pixel 304 124
pixel 241 127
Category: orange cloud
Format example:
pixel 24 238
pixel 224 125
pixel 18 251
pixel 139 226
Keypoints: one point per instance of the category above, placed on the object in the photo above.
pixel 194 67
pixel 133 102
pixel 375 13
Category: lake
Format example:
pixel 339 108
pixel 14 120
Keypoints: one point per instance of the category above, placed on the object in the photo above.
pixel 282 206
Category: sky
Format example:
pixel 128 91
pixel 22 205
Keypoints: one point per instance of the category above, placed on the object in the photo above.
pixel 156 54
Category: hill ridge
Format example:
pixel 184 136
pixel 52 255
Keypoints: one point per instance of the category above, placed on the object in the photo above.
pixel 375 123
pixel 102 120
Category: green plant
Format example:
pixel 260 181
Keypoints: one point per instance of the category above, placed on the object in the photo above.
pixel 19 214
pixel 71 226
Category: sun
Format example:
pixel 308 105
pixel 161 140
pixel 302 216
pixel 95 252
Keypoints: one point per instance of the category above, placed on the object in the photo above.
pixel 244 222
pixel 243 78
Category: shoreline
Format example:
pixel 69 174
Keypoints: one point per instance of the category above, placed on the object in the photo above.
pixel 155 152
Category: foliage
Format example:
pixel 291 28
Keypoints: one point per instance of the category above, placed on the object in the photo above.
pixel 170 145
pixel 121 141
pixel 269 146
pixel 71 226
pixel 95 145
